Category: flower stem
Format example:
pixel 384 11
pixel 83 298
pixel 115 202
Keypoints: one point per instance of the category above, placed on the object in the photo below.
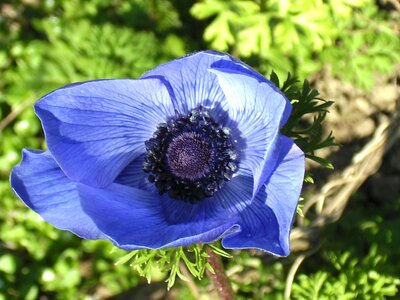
pixel 218 278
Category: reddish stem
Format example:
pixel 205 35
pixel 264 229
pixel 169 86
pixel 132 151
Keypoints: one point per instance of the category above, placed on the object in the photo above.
pixel 219 279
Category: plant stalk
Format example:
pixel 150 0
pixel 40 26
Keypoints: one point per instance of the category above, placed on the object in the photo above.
pixel 219 278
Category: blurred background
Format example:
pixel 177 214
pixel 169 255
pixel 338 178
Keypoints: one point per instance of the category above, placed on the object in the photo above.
pixel 347 246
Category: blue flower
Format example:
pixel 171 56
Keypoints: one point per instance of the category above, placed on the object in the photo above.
pixel 189 153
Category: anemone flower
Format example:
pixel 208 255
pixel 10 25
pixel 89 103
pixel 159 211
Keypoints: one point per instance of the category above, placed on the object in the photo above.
pixel 191 152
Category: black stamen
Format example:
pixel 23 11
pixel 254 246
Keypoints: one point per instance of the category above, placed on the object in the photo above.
pixel 190 157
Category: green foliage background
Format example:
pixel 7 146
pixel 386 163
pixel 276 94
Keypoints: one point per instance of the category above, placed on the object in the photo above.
pixel 47 44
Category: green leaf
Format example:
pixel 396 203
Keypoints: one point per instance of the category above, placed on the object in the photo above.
pixel 219 32
pixel 322 161
pixel 194 257
pixel 219 251
pixel 8 264
pixel 124 259
pixel 208 8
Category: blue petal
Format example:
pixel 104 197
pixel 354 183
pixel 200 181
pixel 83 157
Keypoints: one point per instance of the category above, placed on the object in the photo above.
pixel 136 219
pixel 266 222
pixel 226 204
pixel 222 205
pixel 239 67
pixel 283 189
pixel 134 176
pixel 190 83
pixel 94 129
pixel 259 227
pixel 257 110
pixel 40 183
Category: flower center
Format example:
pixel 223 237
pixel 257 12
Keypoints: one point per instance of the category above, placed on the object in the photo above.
pixel 190 157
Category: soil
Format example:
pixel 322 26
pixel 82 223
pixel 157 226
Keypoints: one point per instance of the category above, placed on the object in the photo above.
pixel 353 120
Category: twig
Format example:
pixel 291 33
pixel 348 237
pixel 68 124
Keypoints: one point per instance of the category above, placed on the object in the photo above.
pixel 190 283
pixel 14 114
pixel 334 196
pixel 395 3
pixel 292 273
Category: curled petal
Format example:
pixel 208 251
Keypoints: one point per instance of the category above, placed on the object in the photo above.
pixel 41 184
pixel 283 188
pixel 236 66
pixel 257 110
pixel 266 222
pixel 94 129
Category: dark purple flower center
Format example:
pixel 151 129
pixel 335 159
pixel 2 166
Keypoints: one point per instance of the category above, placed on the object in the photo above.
pixel 190 157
